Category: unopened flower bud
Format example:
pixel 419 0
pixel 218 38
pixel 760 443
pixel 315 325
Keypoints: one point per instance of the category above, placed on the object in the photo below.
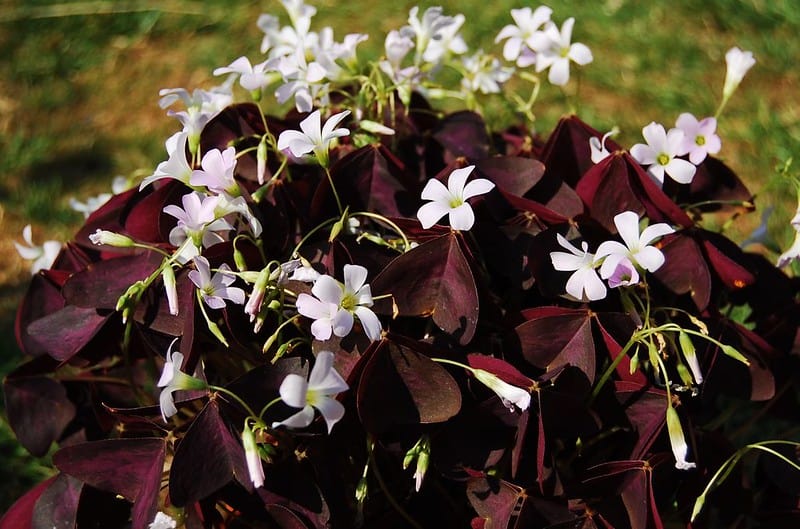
pixel 689 353
pixel 677 440
pixel 109 238
pixel 735 354
pixel 375 127
pixel 168 276
pixel 510 395
pixel 684 374
pixel 738 63
pixel 254 466
pixel 261 159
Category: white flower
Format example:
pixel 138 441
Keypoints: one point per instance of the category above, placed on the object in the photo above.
pixel 432 26
pixel 197 220
pixel 792 253
pixel 483 73
pixel 661 154
pixel 699 137
pixel 335 305
pixel 163 521
pixel 254 466
pixel 452 200
pixel 636 249
pixel 447 41
pixel 217 172
pixel 584 284
pixel 42 256
pixel 314 137
pixel 624 274
pixel 217 288
pixel 250 77
pixel 738 63
pixel 509 394
pixel 676 439
pixel 520 35
pixel 91 204
pixel 173 379
pixel 554 50
pixel 317 392
pixel 201 107
pixel 302 79
pixel 177 166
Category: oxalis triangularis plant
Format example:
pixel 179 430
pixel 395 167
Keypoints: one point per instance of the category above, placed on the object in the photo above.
pixel 370 313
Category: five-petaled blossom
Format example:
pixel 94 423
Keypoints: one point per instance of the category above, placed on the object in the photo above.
pixel 510 395
pixel 314 137
pixel 317 392
pixel 519 35
pixel 661 154
pixel 555 50
pixel 636 250
pixel 584 284
pixel 217 172
pixel 699 137
pixel 217 288
pixel 173 379
pixel 333 305
pixel 452 200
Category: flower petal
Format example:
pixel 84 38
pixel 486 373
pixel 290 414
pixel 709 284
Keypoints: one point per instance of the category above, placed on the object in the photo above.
pixel 627 224
pixel 331 410
pixel 462 218
pixel 354 277
pixel 293 390
pixel 680 170
pixel 457 180
pixel 653 232
pixel 342 323
pixel 650 258
pixel 301 419
pixel 370 323
pixel 476 187
pixel 435 190
pixel 430 213
pixel 328 290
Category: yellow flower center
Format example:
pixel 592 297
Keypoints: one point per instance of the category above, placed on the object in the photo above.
pixel 700 140
pixel 662 159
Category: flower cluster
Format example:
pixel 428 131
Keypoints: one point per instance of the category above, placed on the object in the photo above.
pixel 365 309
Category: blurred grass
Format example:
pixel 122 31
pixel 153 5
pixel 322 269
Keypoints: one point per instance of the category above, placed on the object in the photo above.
pixel 79 92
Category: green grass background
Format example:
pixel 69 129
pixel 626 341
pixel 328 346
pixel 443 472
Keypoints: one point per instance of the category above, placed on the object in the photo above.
pixel 79 86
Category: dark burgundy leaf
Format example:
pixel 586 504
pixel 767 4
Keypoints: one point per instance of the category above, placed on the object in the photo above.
pixel 646 411
pixel 42 298
pixel 101 284
pixel 684 270
pixel 65 332
pixel 553 337
pixel 622 325
pixel 207 459
pixel 464 134
pixel 285 518
pixel 57 508
pixel 727 260
pixel 501 368
pixel 499 503
pixel 434 279
pixel 400 386
pixel 511 174
pixel 716 185
pixel 38 411
pixel 567 154
pixel 129 467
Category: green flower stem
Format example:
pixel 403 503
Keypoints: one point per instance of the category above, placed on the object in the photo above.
pixel 310 233
pixel 234 396
pixel 612 367
pixel 258 194
pixel 333 189
pixel 726 468
pixel 267 406
pixel 381 218
pixel 213 327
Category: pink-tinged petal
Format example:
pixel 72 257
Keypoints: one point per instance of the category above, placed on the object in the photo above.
pixel 697 154
pixel 687 122
pixel 234 294
pixel 215 302
pixel 565 262
pixel 293 390
pixel 580 54
pixel 331 410
pixel 680 170
pixel 311 307
pixel 457 180
pixel 559 72
pixel 342 323
pixel 644 154
pixel 610 264
pixel 627 224
pixel 301 419
pixel 435 190
pixel 653 232
pixel 370 323
pixel 322 329
pixel 462 218
pixel 650 258
pixel 610 248
pixel 430 213
pixel 196 278
pixel 327 289
pixel 354 277
pixel 707 126
pixel 655 136
pixel 476 187
pixel 175 211
pixel 713 143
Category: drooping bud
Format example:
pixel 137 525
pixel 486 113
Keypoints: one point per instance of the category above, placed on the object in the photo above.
pixel 254 466
pixel 690 354
pixel 109 238
pixel 168 276
pixel 677 440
